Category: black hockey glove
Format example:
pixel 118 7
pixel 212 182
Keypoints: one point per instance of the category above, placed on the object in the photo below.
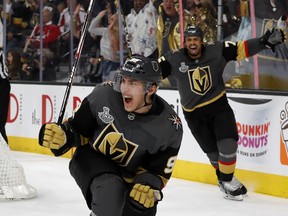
pixel 272 37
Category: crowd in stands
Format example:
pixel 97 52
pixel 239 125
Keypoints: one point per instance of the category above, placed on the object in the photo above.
pixel 151 28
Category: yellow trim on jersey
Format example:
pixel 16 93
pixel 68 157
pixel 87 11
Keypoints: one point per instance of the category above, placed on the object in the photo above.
pixel 206 103
pixel 84 140
pixel 241 50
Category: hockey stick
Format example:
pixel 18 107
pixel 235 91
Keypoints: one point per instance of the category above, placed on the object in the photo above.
pixel 76 61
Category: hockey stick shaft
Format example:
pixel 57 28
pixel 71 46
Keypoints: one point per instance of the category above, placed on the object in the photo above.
pixel 76 61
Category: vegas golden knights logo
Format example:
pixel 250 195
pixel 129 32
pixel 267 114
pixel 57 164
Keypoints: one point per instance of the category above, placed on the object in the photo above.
pixel 200 80
pixel 113 144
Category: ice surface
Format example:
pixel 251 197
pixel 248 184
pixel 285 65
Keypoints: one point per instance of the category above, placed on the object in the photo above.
pixel 58 195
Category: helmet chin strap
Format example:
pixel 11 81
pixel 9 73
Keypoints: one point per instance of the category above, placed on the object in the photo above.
pixel 145 103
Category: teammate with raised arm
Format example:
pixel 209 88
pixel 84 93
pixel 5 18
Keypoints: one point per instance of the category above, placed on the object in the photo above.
pixel 198 70
pixel 127 140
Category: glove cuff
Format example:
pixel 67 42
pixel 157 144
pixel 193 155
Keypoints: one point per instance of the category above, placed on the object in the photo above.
pixel 73 138
pixel 150 179
pixel 264 41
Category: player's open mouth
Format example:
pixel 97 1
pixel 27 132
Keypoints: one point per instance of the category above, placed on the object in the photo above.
pixel 193 47
pixel 127 99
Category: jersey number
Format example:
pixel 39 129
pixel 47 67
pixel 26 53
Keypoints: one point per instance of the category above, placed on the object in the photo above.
pixel 170 164
pixel 228 43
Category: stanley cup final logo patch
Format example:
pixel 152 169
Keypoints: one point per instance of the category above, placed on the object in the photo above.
pixel 105 116
pixel 183 68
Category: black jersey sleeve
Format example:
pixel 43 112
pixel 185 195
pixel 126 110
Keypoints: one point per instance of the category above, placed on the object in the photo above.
pixel 165 66
pixel 230 50
pixel 241 49
pixel 83 120
pixel 160 165
pixel 254 46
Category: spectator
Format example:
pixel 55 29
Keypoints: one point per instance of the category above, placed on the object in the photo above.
pixel 168 33
pixel 102 5
pixel 50 34
pixel 14 37
pixel 272 65
pixel 126 6
pixel 79 17
pixel 244 33
pixel 47 3
pixel 109 43
pixel 64 23
pixel 230 20
pixel 64 19
pixel 22 14
pixel 204 13
pixel 8 10
pixel 271 9
pixel 31 68
pixel 142 28
pixel 14 64
pixel 60 6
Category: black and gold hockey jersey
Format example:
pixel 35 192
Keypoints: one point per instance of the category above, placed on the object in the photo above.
pixel 137 143
pixel 200 81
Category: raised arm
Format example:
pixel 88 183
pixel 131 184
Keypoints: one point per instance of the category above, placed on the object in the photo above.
pixel 243 49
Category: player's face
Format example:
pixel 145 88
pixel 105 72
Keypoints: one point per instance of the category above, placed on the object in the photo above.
pixel 133 94
pixel 194 46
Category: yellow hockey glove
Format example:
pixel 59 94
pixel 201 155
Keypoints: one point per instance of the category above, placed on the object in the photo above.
pixel 145 195
pixel 54 136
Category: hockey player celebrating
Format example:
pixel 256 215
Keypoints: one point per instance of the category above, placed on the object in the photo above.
pixel 198 70
pixel 127 140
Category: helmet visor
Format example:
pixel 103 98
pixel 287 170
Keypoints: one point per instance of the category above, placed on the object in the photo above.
pixel 137 87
